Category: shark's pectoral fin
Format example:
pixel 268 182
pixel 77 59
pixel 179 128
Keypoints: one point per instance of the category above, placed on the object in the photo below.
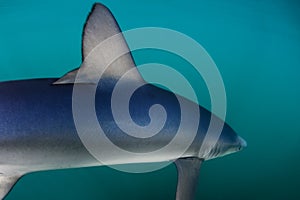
pixel 6 183
pixel 188 173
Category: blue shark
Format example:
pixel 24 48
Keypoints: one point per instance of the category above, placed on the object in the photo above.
pixel 38 132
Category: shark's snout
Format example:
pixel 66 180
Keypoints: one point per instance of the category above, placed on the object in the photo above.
pixel 242 142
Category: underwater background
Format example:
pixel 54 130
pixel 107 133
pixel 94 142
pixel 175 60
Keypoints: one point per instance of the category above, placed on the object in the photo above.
pixel 256 46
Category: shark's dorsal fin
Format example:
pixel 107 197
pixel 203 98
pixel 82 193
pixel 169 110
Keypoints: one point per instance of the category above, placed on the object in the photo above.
pixel 188 173
pixel 102 40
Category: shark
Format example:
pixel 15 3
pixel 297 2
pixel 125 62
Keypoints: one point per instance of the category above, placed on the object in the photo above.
pixel 38 132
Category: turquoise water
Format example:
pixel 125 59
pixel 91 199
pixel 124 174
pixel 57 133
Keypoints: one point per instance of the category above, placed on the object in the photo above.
pixel 256 46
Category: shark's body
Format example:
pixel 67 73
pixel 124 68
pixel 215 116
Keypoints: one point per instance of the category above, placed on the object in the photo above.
pixel 50 139
pixel 37 129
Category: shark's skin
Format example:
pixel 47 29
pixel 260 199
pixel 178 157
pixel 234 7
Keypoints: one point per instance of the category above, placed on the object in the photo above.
pixel 38 132
pixel 37 129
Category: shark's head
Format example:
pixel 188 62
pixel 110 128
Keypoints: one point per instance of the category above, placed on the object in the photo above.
pixel 229 142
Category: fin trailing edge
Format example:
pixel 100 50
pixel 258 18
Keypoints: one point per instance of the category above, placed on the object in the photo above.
pixel 6 183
